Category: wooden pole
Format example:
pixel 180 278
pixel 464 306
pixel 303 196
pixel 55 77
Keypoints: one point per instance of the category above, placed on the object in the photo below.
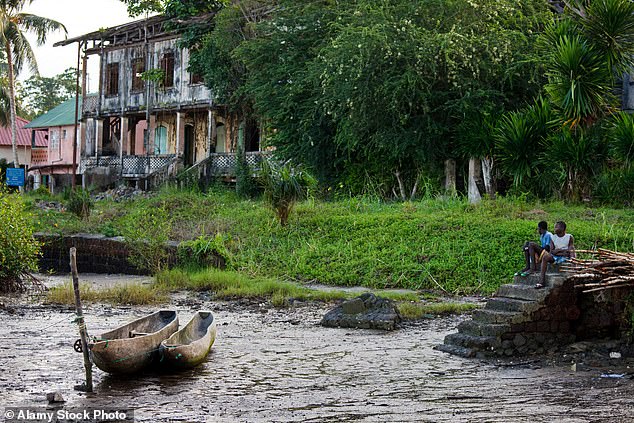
pixel 76 117
pixel 83 333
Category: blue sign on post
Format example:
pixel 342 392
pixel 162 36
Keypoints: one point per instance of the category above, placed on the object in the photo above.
pixel 15 177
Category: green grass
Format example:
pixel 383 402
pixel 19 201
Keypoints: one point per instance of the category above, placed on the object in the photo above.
pixel 232 285
pixel 414 311
pixel 433 245
pixel 130 294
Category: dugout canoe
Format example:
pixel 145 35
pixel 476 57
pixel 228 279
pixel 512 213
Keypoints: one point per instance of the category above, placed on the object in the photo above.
pixel 190 346
pixel 132 347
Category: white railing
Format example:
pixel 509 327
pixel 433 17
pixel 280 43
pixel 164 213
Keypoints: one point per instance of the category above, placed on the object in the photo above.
pixel 130 166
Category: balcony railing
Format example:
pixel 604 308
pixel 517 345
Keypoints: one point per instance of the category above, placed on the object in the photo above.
pixel 130 166
pixel 39 156
pixel 225 163
pixel 219 165
pixel 89 104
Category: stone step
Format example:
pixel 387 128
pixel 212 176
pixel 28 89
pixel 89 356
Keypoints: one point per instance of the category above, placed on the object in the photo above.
pixel 471 341
pixel 456 350
pixel 522 292
pixel 552 278
pixel 493 316
pixel 471 327
pixel 509 304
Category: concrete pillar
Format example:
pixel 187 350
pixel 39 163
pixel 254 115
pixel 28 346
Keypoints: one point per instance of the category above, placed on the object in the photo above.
pixel 211 132
pixel 151 129
pixel 37 180
pixel 125 136
pixel 98 136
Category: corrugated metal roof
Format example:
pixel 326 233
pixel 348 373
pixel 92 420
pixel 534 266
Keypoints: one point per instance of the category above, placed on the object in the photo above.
pixel 62 115
pixel 23 135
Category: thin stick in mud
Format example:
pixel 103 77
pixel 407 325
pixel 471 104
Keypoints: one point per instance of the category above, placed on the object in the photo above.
pixel 83 333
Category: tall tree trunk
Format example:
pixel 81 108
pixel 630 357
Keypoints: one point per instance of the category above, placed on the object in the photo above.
pixel 450 177
pixel 474 175
pixel 401 185
pixel 487 176
pixel 14 124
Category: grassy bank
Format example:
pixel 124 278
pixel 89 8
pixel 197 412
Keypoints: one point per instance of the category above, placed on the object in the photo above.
pixel 229 285
pixel 442 245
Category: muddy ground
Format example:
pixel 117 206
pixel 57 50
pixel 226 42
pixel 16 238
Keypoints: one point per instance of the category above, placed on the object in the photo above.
pixel 270 365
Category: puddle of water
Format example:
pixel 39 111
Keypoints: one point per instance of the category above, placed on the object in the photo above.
pixel 265 366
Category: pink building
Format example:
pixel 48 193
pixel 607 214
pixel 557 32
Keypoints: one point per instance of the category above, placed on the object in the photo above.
pixel 57 125
pixel 31 151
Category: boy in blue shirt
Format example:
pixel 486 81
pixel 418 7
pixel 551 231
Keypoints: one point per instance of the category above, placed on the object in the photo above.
pixel 533 252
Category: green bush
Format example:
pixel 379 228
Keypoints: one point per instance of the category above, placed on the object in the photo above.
pixel 284 185
pixel 18 249
pixel 616 187
pixel 80 203
pixel 246 186
pixel 205 251
pixel 146 232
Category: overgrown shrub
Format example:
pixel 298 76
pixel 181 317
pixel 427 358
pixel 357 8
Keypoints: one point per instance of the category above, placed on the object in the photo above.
pixel 246 186
pixel 284 185
pixel 205 251
pixel 80 203
pixel 146 232
pixel 616 187
pixel 3 170
pixel 18 249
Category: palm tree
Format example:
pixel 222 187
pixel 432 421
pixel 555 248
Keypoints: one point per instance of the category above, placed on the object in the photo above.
pixel 14 24
pixel 284 185
pixel 587 52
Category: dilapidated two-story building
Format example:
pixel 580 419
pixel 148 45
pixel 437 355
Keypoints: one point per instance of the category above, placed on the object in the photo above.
pixel 151 117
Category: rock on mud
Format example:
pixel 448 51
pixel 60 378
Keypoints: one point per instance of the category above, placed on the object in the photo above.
pixel 364 312
pixel 55 397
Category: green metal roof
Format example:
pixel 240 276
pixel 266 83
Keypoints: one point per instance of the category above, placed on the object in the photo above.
pixel 62 115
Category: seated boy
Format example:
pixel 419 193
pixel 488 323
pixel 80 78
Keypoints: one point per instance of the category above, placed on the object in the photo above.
pixel 562 249
pixel 533 252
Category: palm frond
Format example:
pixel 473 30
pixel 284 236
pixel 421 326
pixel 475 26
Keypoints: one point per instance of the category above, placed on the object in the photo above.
pixel 579 79
pixel 609 24
pixel 622 138
pixel 39 26
pixel 517 146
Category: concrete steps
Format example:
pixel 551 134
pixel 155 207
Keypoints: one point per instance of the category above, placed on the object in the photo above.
pixel 509 304
pixel 526 292
pixel 472 327
pixel 493 316
pixel 500 327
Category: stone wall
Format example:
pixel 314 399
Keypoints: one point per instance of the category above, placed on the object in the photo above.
pixel 95 254
pixel 520 319
pixel 547 326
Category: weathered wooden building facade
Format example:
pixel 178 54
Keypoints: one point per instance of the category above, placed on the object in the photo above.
pixel 151 117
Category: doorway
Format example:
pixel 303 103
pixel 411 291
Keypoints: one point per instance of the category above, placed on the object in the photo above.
pixel 189 153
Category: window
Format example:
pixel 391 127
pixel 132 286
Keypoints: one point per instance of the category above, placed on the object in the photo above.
pixel 64 134
pixel 112 79
pixel 54 140
pixel 138 67
pixel 221 137
pixel 196 78
pixel 167 66
pixel 160 140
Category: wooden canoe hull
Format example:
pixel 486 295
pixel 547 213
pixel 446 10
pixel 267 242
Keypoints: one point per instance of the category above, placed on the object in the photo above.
pixel 190 346
pixel 119 352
